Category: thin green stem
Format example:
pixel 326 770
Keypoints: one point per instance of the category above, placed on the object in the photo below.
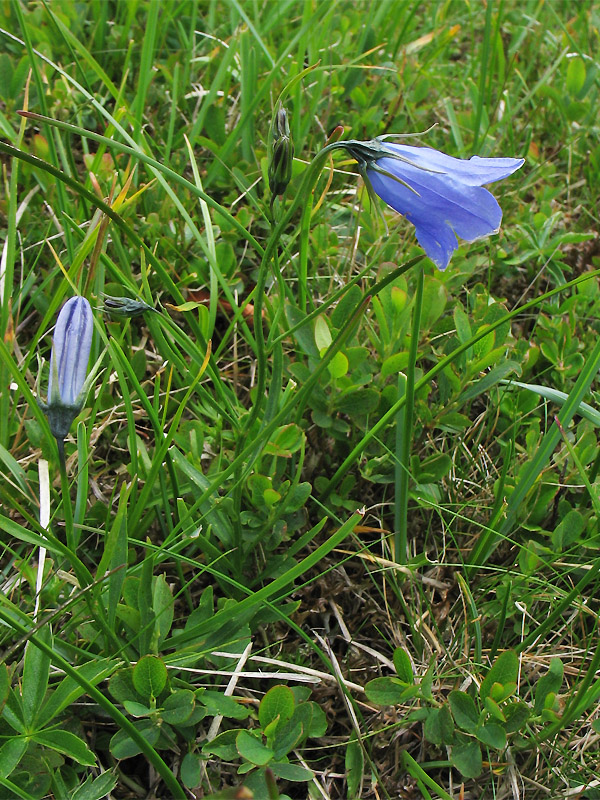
pixel 403 464
pixel 270 255
pixel 303 267
pixel 66 496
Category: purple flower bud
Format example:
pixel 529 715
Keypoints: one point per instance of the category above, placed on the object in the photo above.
pixel 68 364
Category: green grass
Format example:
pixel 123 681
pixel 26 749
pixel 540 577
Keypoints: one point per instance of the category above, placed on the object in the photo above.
pixel 315 537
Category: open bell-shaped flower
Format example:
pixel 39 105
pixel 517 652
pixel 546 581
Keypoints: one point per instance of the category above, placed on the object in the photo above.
pixel 68 365
pixel 441 195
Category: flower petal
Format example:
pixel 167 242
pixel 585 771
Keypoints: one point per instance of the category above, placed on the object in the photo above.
pixel 439 243
pixel 475 171
pixel 440 207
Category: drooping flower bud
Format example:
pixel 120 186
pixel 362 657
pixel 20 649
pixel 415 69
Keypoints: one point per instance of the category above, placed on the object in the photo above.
pixel 125 306
pixel 281 153
pixel 68 365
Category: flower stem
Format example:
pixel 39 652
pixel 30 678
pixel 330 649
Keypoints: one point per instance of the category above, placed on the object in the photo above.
pixel 269 257
pixel 66 496
pixel 404 422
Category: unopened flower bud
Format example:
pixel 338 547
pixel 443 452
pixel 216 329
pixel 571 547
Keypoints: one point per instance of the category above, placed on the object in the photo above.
pixel 281 153
pixel 125 306
pixel 68 365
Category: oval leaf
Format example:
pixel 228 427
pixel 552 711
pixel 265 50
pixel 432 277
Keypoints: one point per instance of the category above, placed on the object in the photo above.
pixel 278 702
pixel 467 759
pixel 149 676
pixel 403 665
pixel 463 710
pixel 253 750
pixel 504 670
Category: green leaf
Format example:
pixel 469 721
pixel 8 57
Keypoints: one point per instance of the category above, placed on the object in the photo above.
pixel 357 401
pixel 427 682
pixel 291 772
pixel 67 743
pixel 453 422
pixel 304 335
pixel 388 691
pixel 322 334
pixel 434 468
pixel 434 301
pixel 500 692
pixel 318 720
pixel 96 788
pixel 149 677
pixel 13 712
pixel 297 497
pixel 462 324
pixel 278 702
pixel 493 709
pixel 496 375
pixel 121 746
pixel 394 364
pixel 576 74
pixel 467 759
pixel 178 707
pixel 121 686
pixel 568 530
pixel 11 753
pixel 493 735
pixel 285 441
pixel 288 736
pixel 516 716
pixel 69 689
pixel 191 770
pixel 549 683
pixel 114 556
pixel 338 366
pixel 218 703
pixel 190 305
pixel 463 710
pixel 505 669
pixel 403 666
pixel 136 709
pixel 145 640
pixel 252 749
pixel 346 305
pixel 4 684
pixel 162 605
pixel 35 677
pixel 439 727
pixel 130 616
pixel 355 766
pixel 223 746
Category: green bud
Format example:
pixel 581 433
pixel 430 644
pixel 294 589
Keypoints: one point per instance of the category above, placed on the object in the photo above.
pixel 281 153
pixel 125 307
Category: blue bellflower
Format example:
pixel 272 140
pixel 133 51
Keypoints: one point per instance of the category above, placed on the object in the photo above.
pixel 68 365
pixel 442 196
